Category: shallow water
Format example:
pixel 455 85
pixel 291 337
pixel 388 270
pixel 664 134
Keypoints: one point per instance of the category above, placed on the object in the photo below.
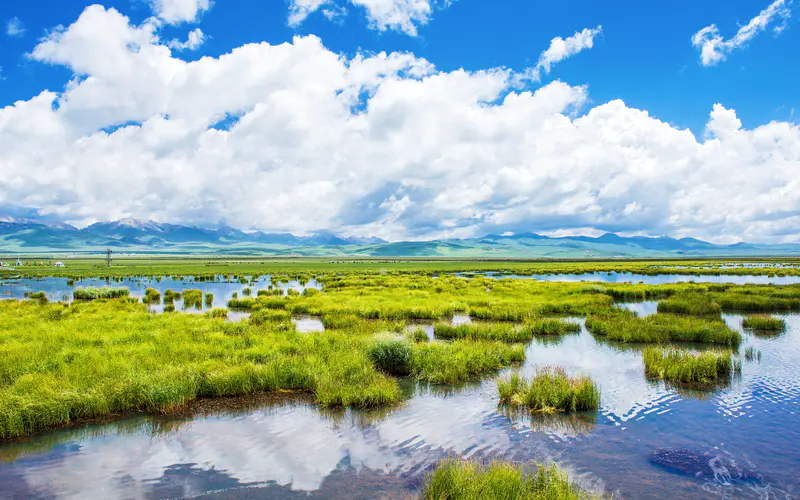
pixel 660 279
pixel 223 290
pixel 745 433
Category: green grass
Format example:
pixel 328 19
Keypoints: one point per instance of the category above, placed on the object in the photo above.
pixel 192 298
pixel 462 361
pixel 392 356
pixel 546 327
pixel 694 304
pixel 457 479
pixel 151 296
pixel 99 293
pixel 502 332
pixel 764 322
pixel 624 326
pixel 684 367
pixel 550 390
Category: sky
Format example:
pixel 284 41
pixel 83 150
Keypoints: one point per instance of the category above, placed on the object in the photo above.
pixel 406 119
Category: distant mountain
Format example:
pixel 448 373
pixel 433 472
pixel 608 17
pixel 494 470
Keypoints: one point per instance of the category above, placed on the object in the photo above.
pixel 137 236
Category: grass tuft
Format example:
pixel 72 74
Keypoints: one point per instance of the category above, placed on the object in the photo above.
pixel 458 479
pixel 683 367
pixel 550 390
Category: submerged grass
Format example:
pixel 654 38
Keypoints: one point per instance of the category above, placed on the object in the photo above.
pixel 683 367
pixel 457 479
pixel 550 390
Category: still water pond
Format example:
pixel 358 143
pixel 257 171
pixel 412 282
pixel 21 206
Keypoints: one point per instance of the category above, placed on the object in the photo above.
pixel 647 441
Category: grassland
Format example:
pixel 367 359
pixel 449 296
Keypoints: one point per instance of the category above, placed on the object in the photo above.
pixel 456 479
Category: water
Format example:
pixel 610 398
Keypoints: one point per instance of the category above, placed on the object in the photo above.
pixel 660 279
pixel 57 289
pixel 745 435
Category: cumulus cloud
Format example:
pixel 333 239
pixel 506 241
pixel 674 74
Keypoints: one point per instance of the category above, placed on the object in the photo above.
pixel 713 48
pixel 561 49
pixel 180 11
pixel 294 137
pixel 15 28
pixel 400 15
pixel 193 42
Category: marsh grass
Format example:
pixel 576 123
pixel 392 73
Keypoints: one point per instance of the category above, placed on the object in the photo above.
pixel 503 332
pixel 547 327
pixel 624 326
pixel 151 296
pixel 752 354
pixel 392 356
pixel 693 304
pixel 458 479
pixel 684 367
pixel 550 390
pixel 764 323
pixel 99 293
pixel 192 298
pixel 209 299
pixel 462 361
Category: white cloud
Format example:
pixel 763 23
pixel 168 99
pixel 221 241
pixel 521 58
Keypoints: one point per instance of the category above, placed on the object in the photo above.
pixel 193 42
pixel 380 144
pixel 713 48
pixel 15 28
pixel 400 15
pixel 299 10
pixel 561 49
pixel 180 11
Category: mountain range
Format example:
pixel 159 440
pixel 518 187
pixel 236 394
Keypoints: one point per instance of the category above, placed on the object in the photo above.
pixel 19 235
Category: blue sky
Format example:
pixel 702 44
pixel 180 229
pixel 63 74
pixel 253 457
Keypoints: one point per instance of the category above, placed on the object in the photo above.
pixel 641 53
pixel 645 56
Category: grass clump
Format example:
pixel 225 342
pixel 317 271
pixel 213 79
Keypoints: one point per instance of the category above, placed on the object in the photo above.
pixel 502 332
pixel 418 335
pixel 151 296
pixel 392 356
pixel 551 327
pixel 550 390
pixel 41 297
pixel 764 322
pixel 99 293
pixel 218 313
pixel 209 299
pixel 262 316
pixel 683 367
pixel 694 304
pixel 461 361
pixel 192 298
pixel 624 326
pixel 458 479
